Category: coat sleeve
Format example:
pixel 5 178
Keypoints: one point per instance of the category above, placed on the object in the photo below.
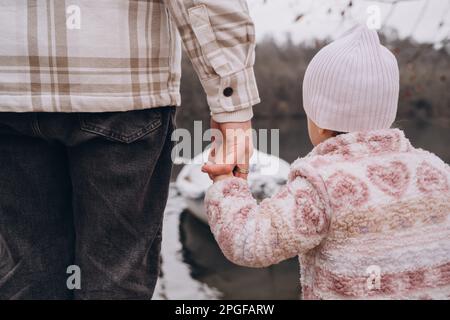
pixel 219 38
pixel 290 223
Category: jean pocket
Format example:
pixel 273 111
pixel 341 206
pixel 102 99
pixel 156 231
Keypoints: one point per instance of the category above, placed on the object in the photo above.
pixel 125 127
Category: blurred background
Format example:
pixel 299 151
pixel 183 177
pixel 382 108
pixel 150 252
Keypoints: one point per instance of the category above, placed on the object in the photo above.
pixel 289 33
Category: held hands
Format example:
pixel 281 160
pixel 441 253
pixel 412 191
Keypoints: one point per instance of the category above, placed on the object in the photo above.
pixel 232 147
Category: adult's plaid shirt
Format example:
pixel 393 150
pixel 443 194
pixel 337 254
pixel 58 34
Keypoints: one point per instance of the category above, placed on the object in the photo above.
pixel 118 55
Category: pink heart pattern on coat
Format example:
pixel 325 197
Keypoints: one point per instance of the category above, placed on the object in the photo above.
pixel 346 190
pixel 430 179
pixel 393 178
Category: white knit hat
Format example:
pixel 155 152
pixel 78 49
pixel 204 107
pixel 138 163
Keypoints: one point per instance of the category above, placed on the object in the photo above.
pixel 352 84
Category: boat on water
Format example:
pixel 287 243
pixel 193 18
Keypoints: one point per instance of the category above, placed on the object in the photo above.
pixel 267 174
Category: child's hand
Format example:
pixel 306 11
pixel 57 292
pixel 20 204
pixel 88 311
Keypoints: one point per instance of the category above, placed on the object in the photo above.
pixel 217 173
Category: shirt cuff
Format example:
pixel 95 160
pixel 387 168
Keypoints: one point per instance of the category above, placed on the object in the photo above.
pixel 242 115
pixel 231 93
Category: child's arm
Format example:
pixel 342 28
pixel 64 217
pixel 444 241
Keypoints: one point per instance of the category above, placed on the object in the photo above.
pixel 293 221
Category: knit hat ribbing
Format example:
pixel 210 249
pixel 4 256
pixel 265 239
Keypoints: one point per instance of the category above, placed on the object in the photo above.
pixel 352 84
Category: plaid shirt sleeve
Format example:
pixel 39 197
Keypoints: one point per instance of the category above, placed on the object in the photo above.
pixel 219 38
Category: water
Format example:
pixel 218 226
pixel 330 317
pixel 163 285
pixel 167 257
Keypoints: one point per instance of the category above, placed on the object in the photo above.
pixel 193 266
pixel 176 281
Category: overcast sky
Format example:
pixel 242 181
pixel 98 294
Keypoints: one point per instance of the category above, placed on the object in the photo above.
pixel 418 17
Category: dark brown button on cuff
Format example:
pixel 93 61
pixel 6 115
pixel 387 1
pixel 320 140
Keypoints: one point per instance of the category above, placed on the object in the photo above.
pixel 228 92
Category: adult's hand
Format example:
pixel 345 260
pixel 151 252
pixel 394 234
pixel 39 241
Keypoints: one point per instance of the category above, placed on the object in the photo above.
pixel 231 150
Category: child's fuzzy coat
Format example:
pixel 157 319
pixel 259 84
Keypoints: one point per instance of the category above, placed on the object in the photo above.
pixel 367 214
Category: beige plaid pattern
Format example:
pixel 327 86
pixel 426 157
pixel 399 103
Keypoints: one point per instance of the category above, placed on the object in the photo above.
pixel 125 55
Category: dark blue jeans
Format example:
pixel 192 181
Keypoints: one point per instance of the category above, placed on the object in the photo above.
pixel 84 189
